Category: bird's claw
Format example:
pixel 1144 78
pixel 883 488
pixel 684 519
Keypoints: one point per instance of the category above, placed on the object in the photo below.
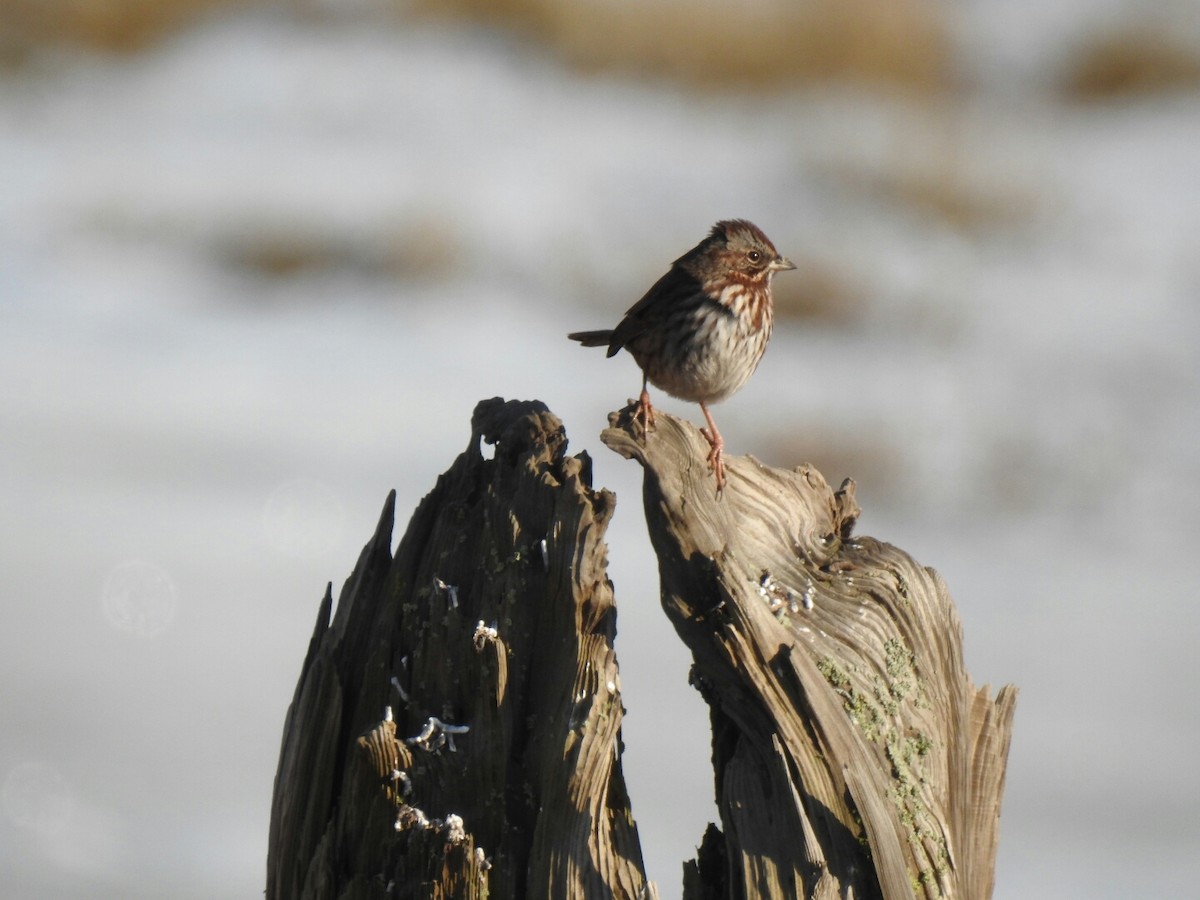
pixel 644 413
pixel 716 463
pixel 716 453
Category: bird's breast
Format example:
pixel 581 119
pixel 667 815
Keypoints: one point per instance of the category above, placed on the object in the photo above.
pixel 712 354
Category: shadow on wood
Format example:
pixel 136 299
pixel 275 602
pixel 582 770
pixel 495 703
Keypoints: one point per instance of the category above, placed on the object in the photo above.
pixel 456 728
pixel 853 754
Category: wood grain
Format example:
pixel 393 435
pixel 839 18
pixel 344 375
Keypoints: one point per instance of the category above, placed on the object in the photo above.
pixel 853 753
pixel 495 613
pixel 456 730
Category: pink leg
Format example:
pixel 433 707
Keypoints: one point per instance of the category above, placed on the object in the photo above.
pixel 715 462
pixel 644 411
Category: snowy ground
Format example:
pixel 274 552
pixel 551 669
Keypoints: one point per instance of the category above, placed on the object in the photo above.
pixel 256 277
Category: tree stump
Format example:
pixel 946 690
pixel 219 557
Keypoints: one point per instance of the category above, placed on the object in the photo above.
pixel 853 755
pixel 456 728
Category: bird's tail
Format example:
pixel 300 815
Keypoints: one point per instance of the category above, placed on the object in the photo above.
pixel 592 338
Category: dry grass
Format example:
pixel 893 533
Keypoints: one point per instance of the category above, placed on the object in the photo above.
pixel 1138 60
pixel 819 291
pixel 115 25
pixel 767 42
pixel 962 201
pixel 867 455
pixel 420 248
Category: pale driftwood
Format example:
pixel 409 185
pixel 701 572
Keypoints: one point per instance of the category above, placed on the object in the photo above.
pixel 854 757
pixel 495 614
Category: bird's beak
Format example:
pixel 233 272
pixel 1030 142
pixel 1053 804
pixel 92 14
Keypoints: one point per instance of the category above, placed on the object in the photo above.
pixel 781 264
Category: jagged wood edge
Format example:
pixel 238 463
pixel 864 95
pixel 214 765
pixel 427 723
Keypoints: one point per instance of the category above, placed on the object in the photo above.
pixel 537 781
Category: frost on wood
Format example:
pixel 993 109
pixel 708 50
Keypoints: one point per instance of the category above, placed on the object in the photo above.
pixel 456 727
pixel 853 755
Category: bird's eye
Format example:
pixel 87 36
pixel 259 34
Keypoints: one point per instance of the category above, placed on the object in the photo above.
pixel 754 256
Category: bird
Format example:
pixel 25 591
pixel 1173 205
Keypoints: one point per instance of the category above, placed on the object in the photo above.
pixel 699 332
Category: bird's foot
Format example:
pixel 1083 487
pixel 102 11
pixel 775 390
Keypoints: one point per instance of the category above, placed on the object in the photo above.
pixel 644 413
pixel 716 454
pixel 716 460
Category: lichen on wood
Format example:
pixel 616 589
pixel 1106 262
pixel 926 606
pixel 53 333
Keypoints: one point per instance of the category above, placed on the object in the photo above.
pixel 853 754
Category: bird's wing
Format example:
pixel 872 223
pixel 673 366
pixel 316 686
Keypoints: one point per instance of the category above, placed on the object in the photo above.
pixel 666 293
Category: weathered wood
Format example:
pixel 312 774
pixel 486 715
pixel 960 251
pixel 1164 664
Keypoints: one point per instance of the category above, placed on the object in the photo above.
pixel 495 615
pixel 853 755
pixel 456 728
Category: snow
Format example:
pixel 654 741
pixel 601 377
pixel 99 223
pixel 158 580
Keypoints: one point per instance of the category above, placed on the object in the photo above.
pixel 456 201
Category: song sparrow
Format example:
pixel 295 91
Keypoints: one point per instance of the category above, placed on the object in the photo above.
pixel 700 331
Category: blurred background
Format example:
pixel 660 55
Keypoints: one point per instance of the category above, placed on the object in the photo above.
pixel 258 261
